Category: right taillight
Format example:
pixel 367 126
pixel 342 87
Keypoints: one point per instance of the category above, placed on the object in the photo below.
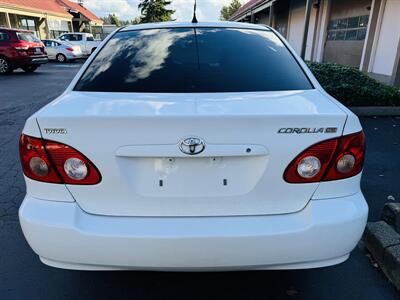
pixel 333 159
pixel 54 162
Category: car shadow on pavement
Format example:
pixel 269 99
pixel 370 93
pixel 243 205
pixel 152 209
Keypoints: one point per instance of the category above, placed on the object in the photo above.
pixel 21 73
pixel 348 280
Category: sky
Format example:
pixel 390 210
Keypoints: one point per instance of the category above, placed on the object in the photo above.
pixel 207 10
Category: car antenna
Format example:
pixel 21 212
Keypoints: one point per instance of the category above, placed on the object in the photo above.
pixel 194 20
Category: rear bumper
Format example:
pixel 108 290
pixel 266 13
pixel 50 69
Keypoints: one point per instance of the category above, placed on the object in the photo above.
pixel 322 234
pixel 29 60
pixel 39 61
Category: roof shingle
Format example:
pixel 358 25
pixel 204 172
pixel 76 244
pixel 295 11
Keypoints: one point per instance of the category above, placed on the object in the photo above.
pixel 59 7
pixel 51 6
pixel 246 7
pixel 83 10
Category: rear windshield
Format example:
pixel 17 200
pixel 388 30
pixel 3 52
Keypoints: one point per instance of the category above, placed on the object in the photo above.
pixel 187 60
pixel 27 37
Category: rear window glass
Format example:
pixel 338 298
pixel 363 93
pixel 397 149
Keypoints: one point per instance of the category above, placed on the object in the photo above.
pixel 27 37
pixel 3 36
pixel 187 60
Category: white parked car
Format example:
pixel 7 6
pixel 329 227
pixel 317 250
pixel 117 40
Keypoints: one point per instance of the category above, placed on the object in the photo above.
pixel 181 146
pixel 62 51
pixel 84 40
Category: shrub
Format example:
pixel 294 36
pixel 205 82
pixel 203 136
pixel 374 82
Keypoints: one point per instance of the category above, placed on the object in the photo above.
pixel 352 87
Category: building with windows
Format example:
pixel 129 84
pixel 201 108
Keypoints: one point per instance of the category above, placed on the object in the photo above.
pixel 48 18
pixel 83 19
pixel 359 33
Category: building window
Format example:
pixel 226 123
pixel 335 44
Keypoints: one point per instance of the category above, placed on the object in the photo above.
pixel 282 30
pixel 348 29
pixel 26 23
pixel 3 20
pixel 58 27
pixel 54 34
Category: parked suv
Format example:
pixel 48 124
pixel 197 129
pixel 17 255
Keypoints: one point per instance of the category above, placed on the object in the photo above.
pixel 20 49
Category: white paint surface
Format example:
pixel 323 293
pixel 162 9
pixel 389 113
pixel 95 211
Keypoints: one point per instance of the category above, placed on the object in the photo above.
pixel 296 24
pixel 388 40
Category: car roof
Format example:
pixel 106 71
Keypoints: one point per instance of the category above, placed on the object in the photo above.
pixel 195 25
pixel 57 41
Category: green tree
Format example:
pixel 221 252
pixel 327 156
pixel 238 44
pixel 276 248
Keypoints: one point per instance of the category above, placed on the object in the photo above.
pixel 155 11
pixel 115 20
pixel 136 20
pixel 228 11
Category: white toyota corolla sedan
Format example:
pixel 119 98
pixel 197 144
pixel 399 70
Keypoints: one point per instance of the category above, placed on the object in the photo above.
pixel 193 146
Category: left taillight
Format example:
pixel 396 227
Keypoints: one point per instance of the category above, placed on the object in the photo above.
pixel 54 162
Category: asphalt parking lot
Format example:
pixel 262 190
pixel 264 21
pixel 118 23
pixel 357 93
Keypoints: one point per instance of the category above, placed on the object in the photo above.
pixel 23 276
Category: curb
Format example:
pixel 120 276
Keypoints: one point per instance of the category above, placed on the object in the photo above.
pixel 383 242
pixel 370 111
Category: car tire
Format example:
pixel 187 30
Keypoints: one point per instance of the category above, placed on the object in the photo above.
pixel 5 67
pixel 29 69
pixel 61 58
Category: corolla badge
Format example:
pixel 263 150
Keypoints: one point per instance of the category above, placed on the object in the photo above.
pixel 192 145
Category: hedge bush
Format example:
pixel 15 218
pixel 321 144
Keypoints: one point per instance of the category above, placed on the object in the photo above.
pixel 352 87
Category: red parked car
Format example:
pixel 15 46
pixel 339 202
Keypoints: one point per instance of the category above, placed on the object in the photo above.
pixel 20 49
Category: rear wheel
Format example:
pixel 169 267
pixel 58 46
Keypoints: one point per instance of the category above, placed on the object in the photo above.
pixel 5 66
pixel 29 69
pixel 61 58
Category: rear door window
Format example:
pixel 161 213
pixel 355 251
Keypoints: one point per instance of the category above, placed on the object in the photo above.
pixel 27 37
pixel 65 37
pixel 75 37
pixel 3 36
pixel 71 37
pixel 187 60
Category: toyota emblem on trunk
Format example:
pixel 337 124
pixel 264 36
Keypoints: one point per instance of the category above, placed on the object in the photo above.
pixel 192 145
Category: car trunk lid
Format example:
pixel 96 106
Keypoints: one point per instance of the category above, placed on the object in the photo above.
pixel 134 139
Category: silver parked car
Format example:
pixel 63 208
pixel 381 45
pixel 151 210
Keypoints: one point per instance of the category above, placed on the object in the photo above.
pixel 62 51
